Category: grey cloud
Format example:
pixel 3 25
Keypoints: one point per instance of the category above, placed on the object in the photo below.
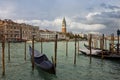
pixel 109 18
pixel 107 6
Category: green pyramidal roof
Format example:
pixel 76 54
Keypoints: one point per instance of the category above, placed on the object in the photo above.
pixel 64 20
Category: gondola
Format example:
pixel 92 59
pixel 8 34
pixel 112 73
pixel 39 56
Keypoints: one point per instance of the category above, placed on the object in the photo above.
pixel 87 52
pixel 112 56
pixel 88 47
pixel 42 62
pixel 99 54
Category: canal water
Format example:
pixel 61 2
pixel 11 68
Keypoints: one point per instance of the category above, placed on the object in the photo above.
pixel 19 69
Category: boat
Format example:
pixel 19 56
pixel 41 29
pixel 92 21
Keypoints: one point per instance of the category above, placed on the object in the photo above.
pixel 87 52
pixel 42 62
pixel 30 41
pixel 99 54
pixel 88 47
pixel 112 56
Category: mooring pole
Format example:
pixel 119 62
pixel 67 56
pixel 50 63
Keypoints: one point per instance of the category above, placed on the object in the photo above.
pixel 94 41
pixel 112 42
pixel 41 46
pixel 90 44
pixel 75 51
pixel 118 33
pixel 3 55
pixel 66 47
pixel 106 43
pixel 33 53
pixel 78 47
pixel 56 36
pixel 97 43
pixel 8 51
pixel 102 45
pixel 25 51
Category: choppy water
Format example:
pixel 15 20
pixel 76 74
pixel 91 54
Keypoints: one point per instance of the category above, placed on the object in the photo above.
pixel 19 69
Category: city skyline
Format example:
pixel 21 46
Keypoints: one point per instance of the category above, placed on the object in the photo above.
pixel 98 16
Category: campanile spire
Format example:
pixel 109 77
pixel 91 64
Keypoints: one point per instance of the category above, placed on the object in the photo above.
pixel 64 25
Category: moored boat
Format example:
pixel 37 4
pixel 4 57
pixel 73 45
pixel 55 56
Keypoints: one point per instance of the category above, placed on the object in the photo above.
pixel 112 56
pixel 87 52
pixel 88 47
pixel 101 54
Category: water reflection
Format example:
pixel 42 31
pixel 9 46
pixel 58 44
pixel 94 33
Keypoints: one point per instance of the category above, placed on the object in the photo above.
pixel 45 75
pixel 18 69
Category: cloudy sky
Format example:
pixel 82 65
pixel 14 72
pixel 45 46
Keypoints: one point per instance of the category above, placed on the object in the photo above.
pixel 102 16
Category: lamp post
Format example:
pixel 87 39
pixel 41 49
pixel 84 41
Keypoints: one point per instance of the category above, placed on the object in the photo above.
pixel 118 33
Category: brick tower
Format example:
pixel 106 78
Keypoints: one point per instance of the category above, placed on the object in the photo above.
pixel 64 26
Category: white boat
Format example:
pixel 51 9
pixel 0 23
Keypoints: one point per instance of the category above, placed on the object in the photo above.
pixel 30 41
pixel 87 52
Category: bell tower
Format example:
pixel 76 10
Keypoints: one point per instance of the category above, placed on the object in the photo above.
pixel 64 25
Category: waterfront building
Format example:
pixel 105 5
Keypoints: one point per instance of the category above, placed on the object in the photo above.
pixel 10 30
pixel 61 36
pixel 82 35
pixel 48 35
pixel 17 32
pixel 28 31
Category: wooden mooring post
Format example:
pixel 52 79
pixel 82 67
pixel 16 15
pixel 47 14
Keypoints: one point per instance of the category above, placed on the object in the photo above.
pixel 55 61
pixel 41 46
pixel 112 43
pixel 33 53
pixel 78 46
pixel 118 33
pixel 90 44
pixel 3 55
pixel 102 45
pixel 66 47
pixel 95 43
pixel 25 52
pixel 75 50
pixel 8 51
pixel 106 43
